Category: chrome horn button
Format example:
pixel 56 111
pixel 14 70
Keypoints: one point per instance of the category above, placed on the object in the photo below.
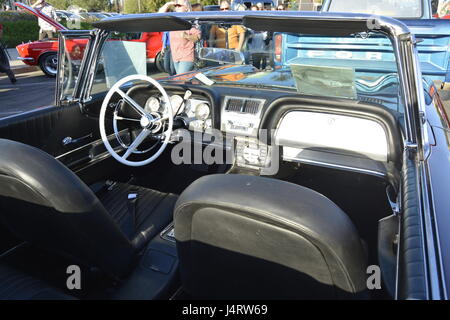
pixel 146 121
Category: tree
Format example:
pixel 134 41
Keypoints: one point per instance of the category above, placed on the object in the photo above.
pixel 141 6
pixel 60 4
pixel 92 5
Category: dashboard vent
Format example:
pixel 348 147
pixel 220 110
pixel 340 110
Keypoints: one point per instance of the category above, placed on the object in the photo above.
pixel 243 105
pixel 251 106
pixel 235 105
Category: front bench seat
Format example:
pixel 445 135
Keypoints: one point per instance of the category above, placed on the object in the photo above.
pixel 44 203
pixel 247 237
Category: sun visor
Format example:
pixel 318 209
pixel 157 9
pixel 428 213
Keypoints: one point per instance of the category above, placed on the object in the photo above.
pixel 307 25
pixel 142 23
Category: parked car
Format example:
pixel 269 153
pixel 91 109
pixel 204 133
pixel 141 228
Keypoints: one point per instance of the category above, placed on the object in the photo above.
pixel 311 179
pixel 432 34
pixel 44 53
pixel 61 14
pixel 97 15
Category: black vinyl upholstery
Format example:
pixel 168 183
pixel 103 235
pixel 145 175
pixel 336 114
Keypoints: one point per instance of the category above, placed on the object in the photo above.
pixel 412 273
pixel 15 285
pixel 153 210
pixel 243 237
pixel 44 203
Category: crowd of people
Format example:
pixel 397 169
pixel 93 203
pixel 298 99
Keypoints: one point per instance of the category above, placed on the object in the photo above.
pixel 179 46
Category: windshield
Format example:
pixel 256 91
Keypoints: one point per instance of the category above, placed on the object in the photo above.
pixel 390 8
pixel 358 67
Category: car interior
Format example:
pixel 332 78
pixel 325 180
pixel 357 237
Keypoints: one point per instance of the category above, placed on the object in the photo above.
pixel 314 191
pixel 314 226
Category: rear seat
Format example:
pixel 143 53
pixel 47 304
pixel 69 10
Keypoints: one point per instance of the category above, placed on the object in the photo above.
pixel 15 285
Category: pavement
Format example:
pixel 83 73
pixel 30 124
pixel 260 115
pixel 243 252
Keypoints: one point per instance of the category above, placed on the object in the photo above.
pixel 31 91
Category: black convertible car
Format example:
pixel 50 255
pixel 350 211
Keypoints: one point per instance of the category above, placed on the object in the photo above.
pixel 271 173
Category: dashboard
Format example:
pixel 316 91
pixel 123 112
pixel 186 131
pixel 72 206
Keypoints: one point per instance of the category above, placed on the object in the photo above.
pixel 265 126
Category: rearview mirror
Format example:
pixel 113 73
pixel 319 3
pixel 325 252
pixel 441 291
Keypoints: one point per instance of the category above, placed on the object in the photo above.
pixel 221 55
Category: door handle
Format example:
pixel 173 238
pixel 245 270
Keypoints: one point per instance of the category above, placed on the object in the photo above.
pixel 69 140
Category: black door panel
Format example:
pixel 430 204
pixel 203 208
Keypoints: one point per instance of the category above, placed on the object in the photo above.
pixel 46 128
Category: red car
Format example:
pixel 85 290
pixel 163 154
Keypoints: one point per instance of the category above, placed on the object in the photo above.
pixel 44 52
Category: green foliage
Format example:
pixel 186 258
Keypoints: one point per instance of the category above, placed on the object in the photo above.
pixel 207 2
pixel 60 4
pixel 133 6
pixel 92 5
pixel 16 32
pixel 15 16
pixel 89 5
pixel 140 6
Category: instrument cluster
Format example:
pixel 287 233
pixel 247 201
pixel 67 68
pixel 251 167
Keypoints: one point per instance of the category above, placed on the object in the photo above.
pixel 195 112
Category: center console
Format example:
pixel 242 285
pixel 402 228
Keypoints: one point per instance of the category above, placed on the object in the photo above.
pixel 240 119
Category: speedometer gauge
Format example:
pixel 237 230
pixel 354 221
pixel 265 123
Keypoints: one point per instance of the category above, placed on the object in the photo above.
pixel 202 111
pixel 176 102
pixel 152 104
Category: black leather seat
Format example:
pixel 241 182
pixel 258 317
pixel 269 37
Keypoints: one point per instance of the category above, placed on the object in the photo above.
pixel 44 203
pixel 15 285
pixel 246 237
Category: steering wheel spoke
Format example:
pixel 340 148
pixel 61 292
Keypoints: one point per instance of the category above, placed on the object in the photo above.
pixel 131 102
pixel 117 117
pixel 139 139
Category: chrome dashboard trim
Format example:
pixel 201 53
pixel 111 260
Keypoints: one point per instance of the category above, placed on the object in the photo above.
pixel 334 166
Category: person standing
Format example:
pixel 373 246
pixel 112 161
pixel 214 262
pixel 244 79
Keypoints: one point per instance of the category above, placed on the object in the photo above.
pixel 168 63
pixel 231 37
pixel 182 43
pixel 46 29
pixel 4 61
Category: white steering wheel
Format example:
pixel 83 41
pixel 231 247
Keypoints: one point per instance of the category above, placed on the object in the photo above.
pixel 151 122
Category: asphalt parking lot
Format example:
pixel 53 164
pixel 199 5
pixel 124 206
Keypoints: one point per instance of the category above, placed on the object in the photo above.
pixel 32 90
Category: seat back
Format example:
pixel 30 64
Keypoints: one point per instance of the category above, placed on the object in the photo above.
pixel 246 237
pixel 44 203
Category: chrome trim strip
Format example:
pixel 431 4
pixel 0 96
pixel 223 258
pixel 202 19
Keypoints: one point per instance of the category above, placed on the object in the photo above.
pixel 334 166
pixel 163 236
pixel 25 59
pixel 96 142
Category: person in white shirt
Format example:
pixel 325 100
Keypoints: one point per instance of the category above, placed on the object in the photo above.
pixel 46 29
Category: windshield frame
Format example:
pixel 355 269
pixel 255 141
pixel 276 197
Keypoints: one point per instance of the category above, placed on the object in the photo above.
pixel 403 43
